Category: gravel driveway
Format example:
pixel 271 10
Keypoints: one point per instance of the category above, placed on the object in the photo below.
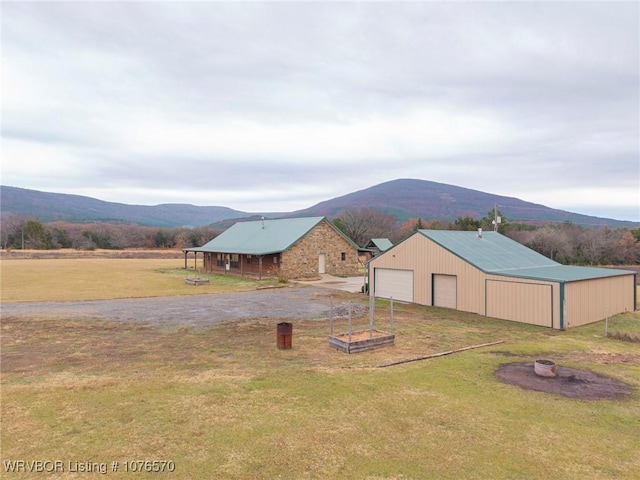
pixel 193 310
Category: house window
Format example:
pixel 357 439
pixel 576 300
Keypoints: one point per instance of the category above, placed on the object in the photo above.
pixel 235 261
pixel 343 255
pixel 275 259
pixel 248 259
pixel 220 260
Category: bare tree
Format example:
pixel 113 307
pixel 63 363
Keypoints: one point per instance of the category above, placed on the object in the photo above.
pixel 363 224
pixel 593 245
pixel 551 242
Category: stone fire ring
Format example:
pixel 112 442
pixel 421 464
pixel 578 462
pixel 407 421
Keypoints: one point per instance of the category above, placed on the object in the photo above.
pixel 568 382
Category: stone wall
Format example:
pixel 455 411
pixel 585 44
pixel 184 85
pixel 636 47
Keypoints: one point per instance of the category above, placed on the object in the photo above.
pixel 302 260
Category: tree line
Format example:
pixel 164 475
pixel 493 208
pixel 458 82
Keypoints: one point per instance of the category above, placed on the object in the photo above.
pixel 25 232
pixel 566 243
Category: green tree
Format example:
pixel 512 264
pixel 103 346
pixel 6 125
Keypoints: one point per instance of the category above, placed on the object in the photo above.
pixel 488 222
pixel 34 235
pixel 466 223
pixel 160 239
pixel 60 238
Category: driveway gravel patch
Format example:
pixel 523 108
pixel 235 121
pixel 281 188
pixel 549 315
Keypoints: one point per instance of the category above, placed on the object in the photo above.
pixel 197 311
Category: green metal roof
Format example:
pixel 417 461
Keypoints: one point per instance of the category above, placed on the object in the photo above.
pixel 382 244
pixel 494 253
pixel 566 273
pixel 262 237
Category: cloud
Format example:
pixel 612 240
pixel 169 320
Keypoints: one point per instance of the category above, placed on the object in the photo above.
pixel 277 106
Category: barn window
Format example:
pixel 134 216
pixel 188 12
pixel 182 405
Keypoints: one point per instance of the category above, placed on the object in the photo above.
pixel 343 255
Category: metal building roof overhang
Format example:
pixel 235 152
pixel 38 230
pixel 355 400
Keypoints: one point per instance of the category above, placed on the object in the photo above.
pixel 562 273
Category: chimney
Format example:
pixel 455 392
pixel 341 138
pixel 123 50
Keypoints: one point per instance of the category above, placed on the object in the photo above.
pixel 479 233
pixel 262 223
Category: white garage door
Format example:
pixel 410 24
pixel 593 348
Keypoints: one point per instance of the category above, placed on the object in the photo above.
pixel 394 283
pixel 445 291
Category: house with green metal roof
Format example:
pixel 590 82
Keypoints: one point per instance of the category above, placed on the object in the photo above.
pixel 289 248
pixel 377 245
pixel 492 275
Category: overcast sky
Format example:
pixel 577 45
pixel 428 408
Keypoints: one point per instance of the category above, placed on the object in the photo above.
pixel 278 106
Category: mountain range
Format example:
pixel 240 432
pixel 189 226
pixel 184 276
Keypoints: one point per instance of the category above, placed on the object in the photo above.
pixel 404 198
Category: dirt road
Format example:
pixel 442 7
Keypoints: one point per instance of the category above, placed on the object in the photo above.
pixel 198 311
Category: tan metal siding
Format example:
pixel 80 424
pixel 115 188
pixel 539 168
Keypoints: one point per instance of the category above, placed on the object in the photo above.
pixel 445 291
pixel 522 302
pixel 592 300
pixel 424 257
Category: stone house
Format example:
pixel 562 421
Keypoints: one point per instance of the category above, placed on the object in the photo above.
pixel 289 248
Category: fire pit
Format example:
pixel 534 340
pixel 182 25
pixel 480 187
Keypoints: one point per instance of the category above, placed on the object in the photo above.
pixel 568 382
pixel 545 368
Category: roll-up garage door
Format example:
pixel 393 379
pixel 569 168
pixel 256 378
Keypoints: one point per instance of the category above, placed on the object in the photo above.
pixel 445 291
pixel 394 283
pixel 522 302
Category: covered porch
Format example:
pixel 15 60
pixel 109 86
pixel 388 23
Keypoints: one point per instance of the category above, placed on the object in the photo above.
pixel 257 266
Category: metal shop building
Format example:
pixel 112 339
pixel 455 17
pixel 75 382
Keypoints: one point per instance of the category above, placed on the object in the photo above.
pixel 491 275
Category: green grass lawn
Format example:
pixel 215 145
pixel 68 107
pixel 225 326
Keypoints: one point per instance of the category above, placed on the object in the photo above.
pixel 226 403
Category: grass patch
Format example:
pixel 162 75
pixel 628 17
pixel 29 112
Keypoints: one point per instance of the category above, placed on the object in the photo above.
pixel 62 279
pixel 227 402
pixel 224 402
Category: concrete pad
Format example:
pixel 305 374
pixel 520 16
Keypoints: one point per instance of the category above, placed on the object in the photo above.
pixel 346 284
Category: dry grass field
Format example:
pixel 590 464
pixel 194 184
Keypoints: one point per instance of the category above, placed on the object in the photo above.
pixel 224 402
pixel 95 278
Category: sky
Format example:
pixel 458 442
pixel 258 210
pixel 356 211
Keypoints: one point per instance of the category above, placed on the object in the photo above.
pixel 276 106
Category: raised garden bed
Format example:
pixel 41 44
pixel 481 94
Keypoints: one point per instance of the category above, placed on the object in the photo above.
pixel 361 340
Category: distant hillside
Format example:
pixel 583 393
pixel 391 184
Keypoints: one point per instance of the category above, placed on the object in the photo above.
pixel 409 198
pixel 49 207
pixel 405 198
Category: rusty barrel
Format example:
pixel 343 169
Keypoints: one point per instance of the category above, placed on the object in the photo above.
pixel 284 335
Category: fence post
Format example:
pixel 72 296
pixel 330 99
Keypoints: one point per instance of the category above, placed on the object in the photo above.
pixel 349 322
pixel 372 306
pixel 331 316
pixel 392 315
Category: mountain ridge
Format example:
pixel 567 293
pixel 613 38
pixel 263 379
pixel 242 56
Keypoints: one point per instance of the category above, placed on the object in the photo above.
pixel 405 198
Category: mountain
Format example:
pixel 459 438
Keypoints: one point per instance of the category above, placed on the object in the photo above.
pixel 49 207
pixel 404 198
pixel 410 198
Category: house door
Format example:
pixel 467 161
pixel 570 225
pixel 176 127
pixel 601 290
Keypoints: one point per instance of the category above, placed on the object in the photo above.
pixel 322 264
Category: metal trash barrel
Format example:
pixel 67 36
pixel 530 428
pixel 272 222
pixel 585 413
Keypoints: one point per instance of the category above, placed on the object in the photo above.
pixel 284 335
